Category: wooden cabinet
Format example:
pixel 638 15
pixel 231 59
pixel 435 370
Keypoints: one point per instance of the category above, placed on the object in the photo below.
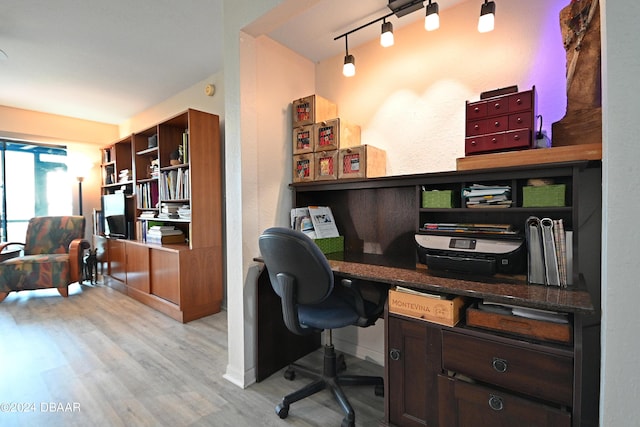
pixel 500 123
pixel 176 162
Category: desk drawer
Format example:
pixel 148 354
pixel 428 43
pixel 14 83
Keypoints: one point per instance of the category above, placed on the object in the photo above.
pixel 535 373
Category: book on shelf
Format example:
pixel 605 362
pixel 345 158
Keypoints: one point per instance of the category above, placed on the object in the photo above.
pixel 175 238
pixel 550 252
pixel 483 196
pixel 470 228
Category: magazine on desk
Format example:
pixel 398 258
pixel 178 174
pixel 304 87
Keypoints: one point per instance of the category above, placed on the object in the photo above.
pixel 317 222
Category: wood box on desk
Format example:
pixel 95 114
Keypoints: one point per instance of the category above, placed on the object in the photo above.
pixel 521 326
pixel 312 109
pixel 364 161
pixel 304 139
pixel 326 165
pixel 442 311
pixel 304 167
pixel 335 134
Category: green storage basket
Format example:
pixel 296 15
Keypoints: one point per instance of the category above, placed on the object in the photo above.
pixel 543 196
pixel 437 199
pixel 330 245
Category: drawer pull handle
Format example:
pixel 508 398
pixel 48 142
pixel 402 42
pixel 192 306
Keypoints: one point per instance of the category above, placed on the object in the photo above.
pixel 497 106
pixel 494 140
pixel 519 101
pixel 516 137
pixel 394 354
pixel 500 365
pixel 477 110
pixel 496 403
pixel 519 119
pixel 476 127
pixel 497 124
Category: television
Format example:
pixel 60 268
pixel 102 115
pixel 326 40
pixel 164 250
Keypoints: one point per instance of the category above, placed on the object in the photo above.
pixel 117 216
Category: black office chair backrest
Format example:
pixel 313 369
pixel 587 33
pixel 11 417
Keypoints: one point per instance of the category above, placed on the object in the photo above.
pixel 292 254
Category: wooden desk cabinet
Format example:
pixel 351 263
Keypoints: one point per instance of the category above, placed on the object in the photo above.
pixel 442 376
pixel 436 375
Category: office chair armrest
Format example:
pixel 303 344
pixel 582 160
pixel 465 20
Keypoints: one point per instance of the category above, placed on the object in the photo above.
pixel 368 315
pixel 289 308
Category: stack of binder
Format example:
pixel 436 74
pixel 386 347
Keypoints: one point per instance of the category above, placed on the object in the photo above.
pixel 550 250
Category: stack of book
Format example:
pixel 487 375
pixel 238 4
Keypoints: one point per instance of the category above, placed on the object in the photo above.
pixel 147 215
pixel 469 228
pixel 164 234
pixel 487 196
pixel 124 175
pixel 184 212
pixel 550 249
pixel 169 210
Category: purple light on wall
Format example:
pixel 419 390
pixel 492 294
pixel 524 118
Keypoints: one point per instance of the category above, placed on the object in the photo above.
pixel 549 71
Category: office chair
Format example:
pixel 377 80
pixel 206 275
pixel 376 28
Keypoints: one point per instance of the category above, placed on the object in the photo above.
pixel 301 276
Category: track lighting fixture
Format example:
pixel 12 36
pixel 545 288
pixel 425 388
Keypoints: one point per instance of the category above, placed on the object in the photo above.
pixel 349 67
pixel 432 20
pixel 386 37
pixel 487 16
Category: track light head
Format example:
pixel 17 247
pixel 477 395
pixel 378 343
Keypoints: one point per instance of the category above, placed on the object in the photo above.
pixel 487 17
pixel 386 37
pixel 349 67
pixel 432 19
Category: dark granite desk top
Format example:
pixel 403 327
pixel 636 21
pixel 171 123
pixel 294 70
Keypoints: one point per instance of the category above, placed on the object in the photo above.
pixel 503 290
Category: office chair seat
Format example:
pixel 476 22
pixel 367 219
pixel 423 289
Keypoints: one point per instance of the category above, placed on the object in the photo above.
pixel 301 276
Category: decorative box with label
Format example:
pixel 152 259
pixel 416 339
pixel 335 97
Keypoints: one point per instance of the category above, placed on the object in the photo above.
pixel 364 161
pixel 303 139
pixel 500 123
pixel 326 165
pixel 303 167
pixel 312 109
pixel 335 134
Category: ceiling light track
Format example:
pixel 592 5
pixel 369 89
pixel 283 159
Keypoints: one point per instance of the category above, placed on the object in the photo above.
pixel 400 8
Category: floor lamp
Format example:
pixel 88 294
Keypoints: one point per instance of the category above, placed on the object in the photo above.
pixel 80 179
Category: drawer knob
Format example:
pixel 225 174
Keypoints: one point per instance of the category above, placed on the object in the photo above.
pixel 494 140
pixel 516 137
pixel 519 119
pixel 497 124
pixel 474 143
pixel 500 365
pixel 477 110
pixel 394 354
pixel 497 106
pixel 519 101
pixel 495 402
pixel 476 127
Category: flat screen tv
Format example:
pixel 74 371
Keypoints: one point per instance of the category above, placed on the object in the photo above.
pixel 116 215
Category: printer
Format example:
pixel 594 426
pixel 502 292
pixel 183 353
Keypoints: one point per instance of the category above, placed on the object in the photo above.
pixel 475 255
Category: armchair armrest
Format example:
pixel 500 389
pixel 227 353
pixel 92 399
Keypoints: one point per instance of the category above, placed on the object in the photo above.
pixel 76 254
pixel 9 254
pixel 369 310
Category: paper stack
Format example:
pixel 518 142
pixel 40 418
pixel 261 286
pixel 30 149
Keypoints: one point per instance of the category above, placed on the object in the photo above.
pixel 164 234
pixel 487 196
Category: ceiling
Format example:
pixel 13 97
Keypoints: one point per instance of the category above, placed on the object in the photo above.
pixel 109 60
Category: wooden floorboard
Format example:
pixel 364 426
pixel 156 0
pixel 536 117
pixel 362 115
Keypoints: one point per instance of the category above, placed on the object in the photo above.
pixel 100 358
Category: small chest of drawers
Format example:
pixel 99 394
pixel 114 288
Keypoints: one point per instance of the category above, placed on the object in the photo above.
pixel 500 123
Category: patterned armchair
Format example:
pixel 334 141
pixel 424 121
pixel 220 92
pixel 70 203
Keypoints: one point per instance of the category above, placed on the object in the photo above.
pixel 52 256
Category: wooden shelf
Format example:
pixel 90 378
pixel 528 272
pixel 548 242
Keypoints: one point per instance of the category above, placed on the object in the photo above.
pixel 567 153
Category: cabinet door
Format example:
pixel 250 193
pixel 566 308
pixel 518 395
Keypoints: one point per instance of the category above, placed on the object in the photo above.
pixel 165 275
pixel 470 405
pixel 117 260
pixel 138 267
pixel 413 358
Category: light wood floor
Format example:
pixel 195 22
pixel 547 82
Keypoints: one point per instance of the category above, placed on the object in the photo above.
pixel 99 358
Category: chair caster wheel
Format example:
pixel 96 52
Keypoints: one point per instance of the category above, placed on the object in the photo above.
pixel 347 423
pixel 282 410
pixel 290 374
pixel 379 390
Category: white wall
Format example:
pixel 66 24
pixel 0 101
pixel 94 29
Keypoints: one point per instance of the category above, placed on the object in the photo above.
pixel 620 375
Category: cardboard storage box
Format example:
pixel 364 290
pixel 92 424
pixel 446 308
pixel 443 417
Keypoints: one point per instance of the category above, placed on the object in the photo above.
pixel 303 167
pixel 335 134
pixel 303 139
pixel 437 199
pixel 326 165
pixel 543 195
pixel 364 161
pixel 521 326
pixel 312 109
pixel 442 311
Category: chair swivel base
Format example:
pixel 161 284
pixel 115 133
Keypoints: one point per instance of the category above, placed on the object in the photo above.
pixel 331 380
